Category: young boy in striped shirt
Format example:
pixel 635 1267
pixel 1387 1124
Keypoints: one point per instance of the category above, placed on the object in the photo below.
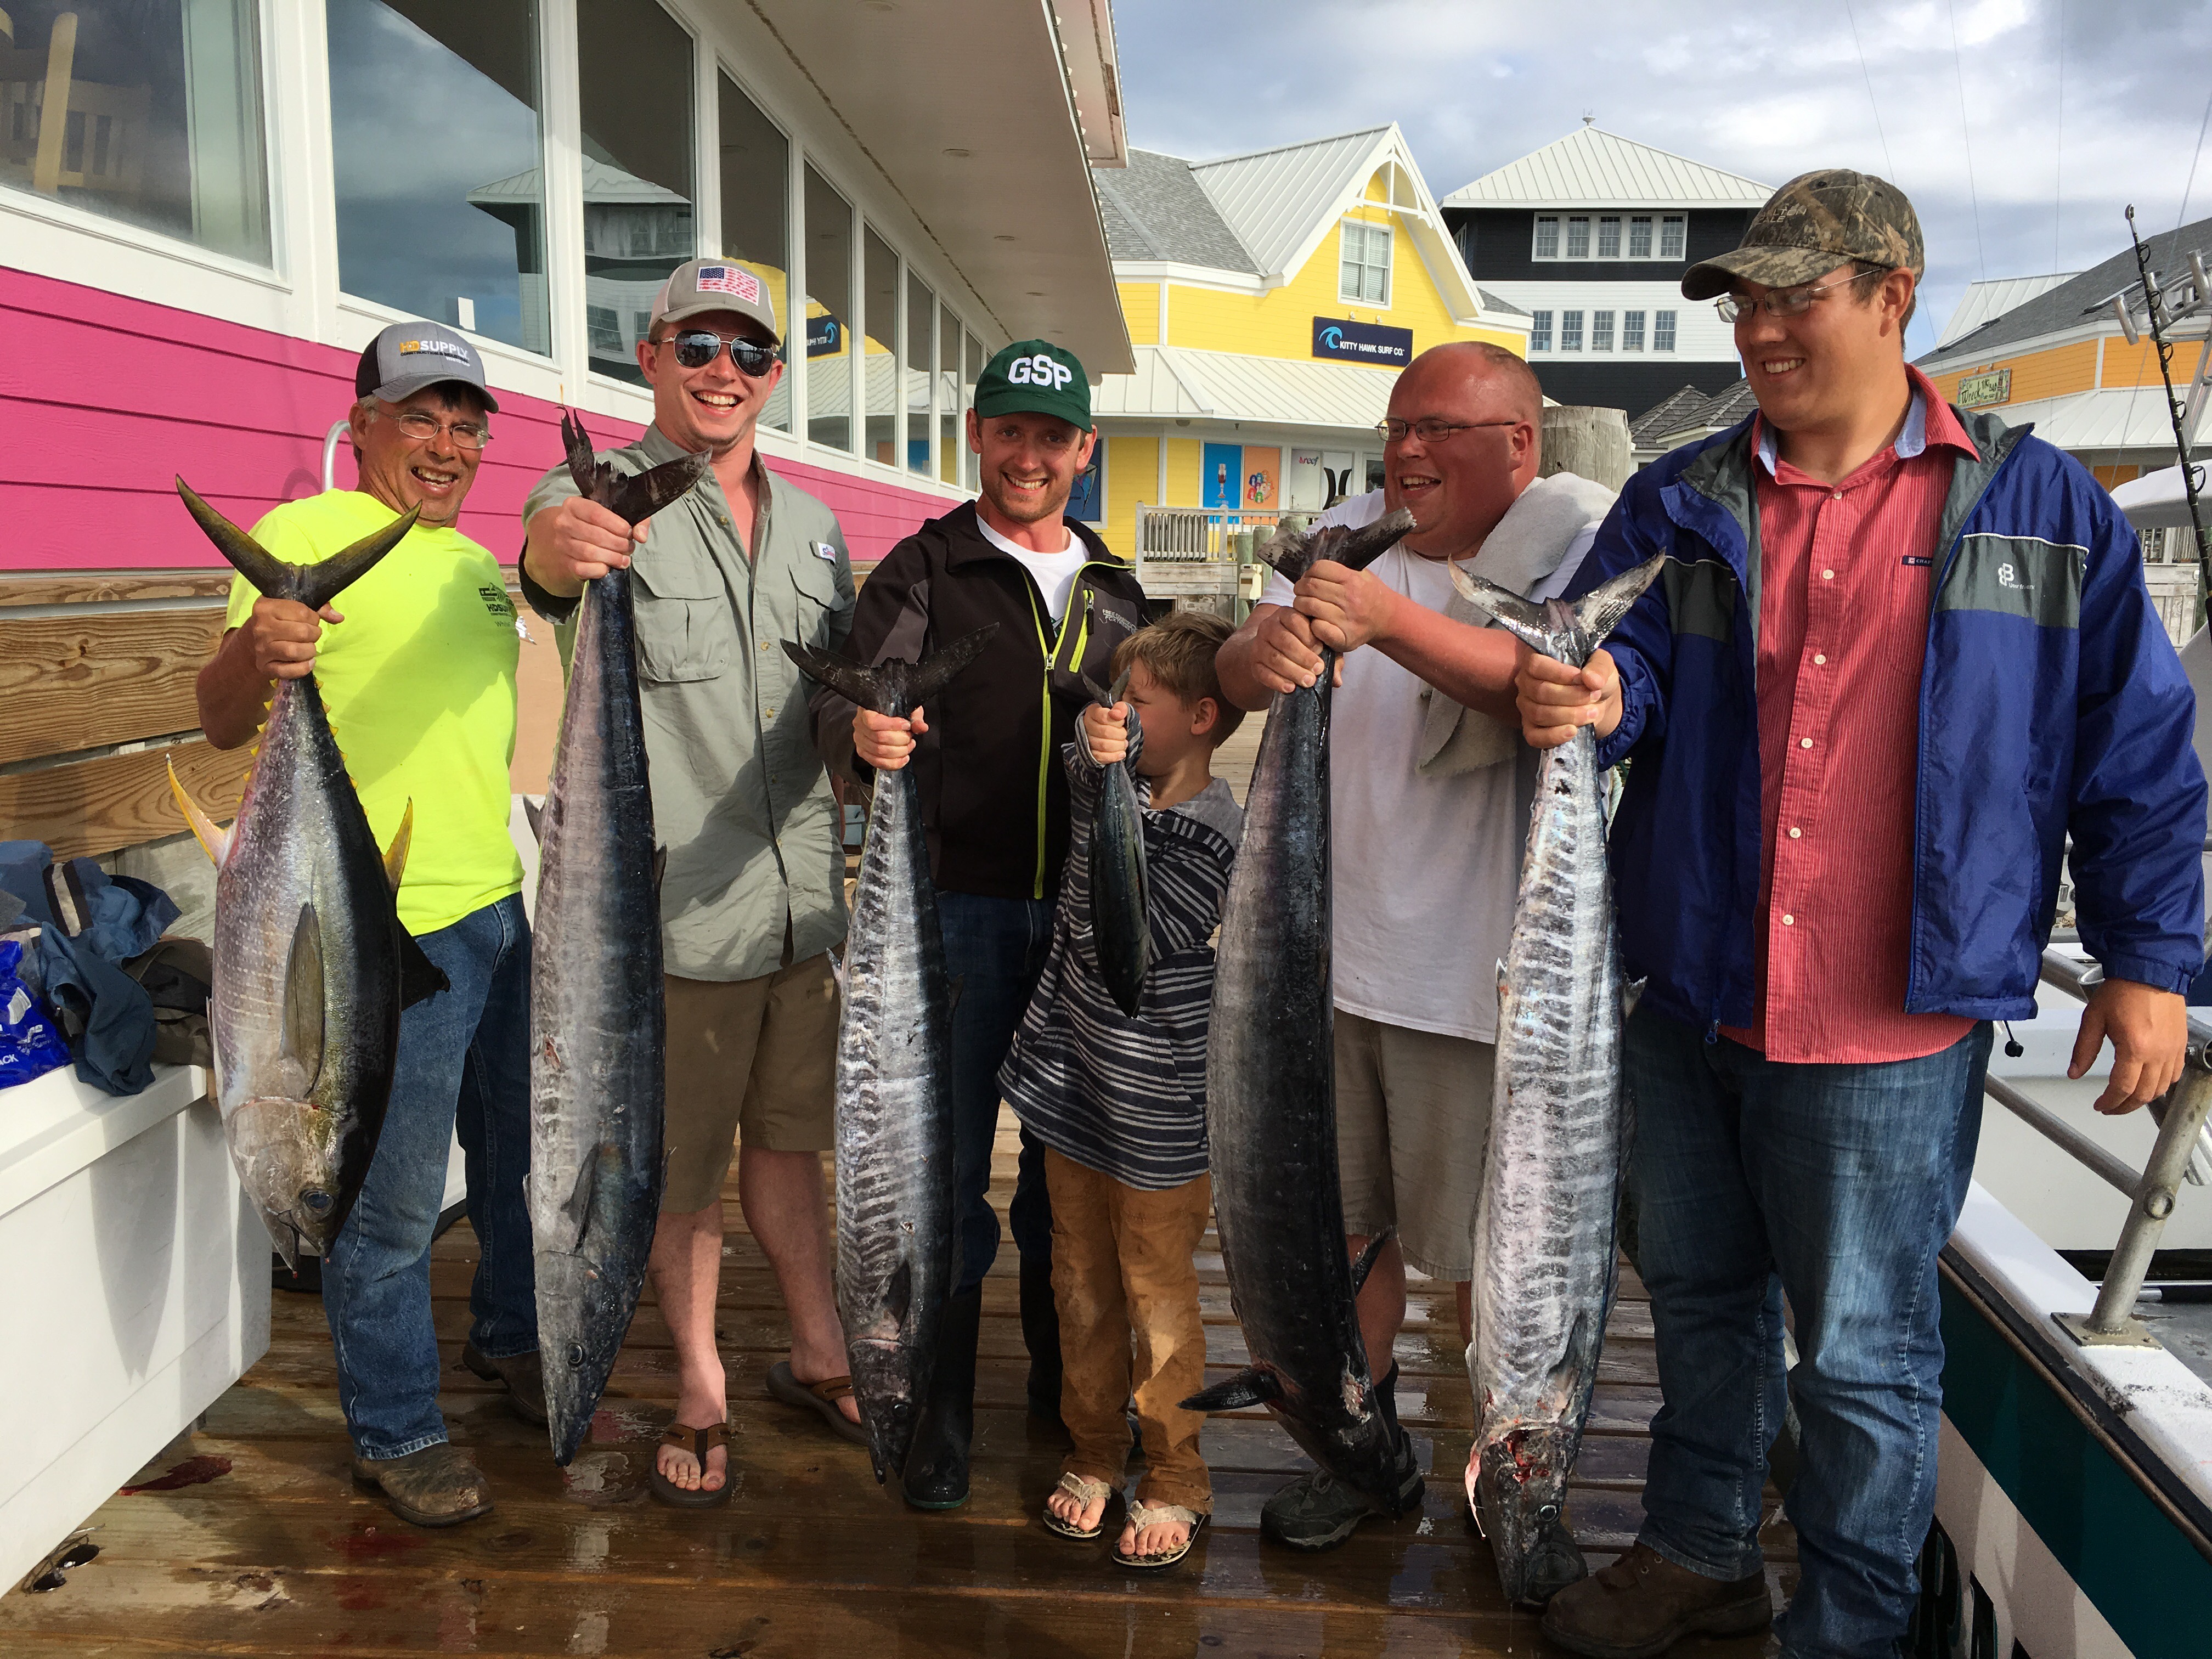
pixel 1119 1101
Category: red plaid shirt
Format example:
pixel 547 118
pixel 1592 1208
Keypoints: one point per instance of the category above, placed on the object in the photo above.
pixel 1846 573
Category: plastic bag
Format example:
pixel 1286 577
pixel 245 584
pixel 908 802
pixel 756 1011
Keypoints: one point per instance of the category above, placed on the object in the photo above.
pixel 29 1044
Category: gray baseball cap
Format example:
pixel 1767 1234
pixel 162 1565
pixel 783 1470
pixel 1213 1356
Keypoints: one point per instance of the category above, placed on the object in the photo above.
pixel 699 286
pixel 408 356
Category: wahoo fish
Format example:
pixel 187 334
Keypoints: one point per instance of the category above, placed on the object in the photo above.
pixel 598 1025
pixel 1559 1125
pixel 1270 1091
pixel 1119 933
pixel 312 967
pixel 895 1200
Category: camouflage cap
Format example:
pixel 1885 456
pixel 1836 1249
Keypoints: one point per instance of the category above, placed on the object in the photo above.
pixel 1811 225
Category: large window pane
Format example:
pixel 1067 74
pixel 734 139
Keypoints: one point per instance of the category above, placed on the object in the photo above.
pixel 949 444
pixel 145 111
pixel 634 79
pixel 453 230
pixel 921 331
pixel 829 312
pixel 756 214
pixel 972 371
pixel 879 306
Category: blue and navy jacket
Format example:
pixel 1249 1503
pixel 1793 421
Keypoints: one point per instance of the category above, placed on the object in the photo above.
pixel 2052 704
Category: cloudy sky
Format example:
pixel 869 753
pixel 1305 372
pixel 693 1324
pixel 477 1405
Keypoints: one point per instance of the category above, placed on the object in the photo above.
pixel 2020 147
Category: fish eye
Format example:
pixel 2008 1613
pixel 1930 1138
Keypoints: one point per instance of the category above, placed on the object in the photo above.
pixel 1548 1512
pixel 575 1353
pixel 316 1201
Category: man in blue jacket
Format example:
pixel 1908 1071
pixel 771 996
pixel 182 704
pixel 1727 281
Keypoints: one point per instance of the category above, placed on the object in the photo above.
pixel 1902 654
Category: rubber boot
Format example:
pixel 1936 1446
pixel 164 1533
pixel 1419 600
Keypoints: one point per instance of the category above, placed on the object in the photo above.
pixel 1041 1336
pixel 936 1468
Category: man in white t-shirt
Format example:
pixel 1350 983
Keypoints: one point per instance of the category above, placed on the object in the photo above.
pixel 1430 786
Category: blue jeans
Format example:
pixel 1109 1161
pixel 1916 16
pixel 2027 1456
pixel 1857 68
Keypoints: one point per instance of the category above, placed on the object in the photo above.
pixel 994 952
pixel 1835 1185
pixel 467 1051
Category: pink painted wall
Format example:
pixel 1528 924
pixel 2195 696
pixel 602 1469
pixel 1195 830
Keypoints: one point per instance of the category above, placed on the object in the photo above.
pixel 105 398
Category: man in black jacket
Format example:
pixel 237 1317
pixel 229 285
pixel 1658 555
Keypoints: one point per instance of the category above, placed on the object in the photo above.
pixel 994 802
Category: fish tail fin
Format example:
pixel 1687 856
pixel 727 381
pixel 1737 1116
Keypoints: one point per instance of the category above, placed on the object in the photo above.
pixel 1601 609
pixel 638 497
pixel 868 688
pixel 1523 618
pixel 576 448
pixel 1250 1387
pixel 269 574
pixel 395 856
pixel 1361 548
pixel 321 583
pixel 216 842
pixel 933 673
pixel 1288 552
pixel 1365 1264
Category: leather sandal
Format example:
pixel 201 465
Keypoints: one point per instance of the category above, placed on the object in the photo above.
pixel 1085 1492
pixel 821 1398
pixel 1143 1514
pixel 698 1443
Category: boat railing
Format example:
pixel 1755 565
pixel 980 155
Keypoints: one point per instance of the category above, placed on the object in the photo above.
pixel 2182 1152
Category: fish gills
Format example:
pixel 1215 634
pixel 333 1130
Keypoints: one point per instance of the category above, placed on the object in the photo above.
pixel 1271 1089
pixel 1545 1256
pixel 894 1148
pixel 1119 931
pixel 598 1019
pixel 312 967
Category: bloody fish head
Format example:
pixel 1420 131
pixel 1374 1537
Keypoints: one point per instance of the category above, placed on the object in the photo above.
pixel 1520 1492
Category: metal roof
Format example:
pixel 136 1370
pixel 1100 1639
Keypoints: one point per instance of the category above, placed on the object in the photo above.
pixel 2077 302
pixel 1993 297
pixel 1590 167
pixel 1274 198
pixel 1182 383
pixel 1155 208
pixel 2111 417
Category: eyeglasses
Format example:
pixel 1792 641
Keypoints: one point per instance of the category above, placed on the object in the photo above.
pixel 1785 301
pixel 696 348
pixel 1430 430
pixel 421 428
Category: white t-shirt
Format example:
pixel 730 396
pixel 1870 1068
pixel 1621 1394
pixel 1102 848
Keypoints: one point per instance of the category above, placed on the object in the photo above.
pixel 1054 572
pixel 1425 869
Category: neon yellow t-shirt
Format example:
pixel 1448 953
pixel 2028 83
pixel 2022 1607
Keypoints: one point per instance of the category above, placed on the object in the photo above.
pixel 419 681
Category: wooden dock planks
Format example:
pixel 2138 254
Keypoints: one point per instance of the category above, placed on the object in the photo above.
pixel 283 1555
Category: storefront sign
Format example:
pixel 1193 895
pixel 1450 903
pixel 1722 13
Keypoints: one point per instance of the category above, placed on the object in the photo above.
pixel 1980 391
pixel 1361 342
pixel 825 335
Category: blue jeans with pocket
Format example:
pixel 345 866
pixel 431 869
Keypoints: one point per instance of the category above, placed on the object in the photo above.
pixel 994 953
pixel 464 1065
pixel 1835 1185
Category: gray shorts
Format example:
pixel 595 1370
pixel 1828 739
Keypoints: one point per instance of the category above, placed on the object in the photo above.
pixel 1412 1122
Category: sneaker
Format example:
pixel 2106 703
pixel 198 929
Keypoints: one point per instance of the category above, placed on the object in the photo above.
pixel 1317 1512
pixel 437 1486
pixel 1643 1604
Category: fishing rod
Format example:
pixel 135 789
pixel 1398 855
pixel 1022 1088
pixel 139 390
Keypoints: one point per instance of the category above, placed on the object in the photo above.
pixel 2157 316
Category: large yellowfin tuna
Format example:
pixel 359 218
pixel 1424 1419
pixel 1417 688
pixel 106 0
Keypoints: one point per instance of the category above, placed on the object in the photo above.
pixel 311 966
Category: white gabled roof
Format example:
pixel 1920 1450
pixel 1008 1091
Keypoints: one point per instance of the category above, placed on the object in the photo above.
pixel 1590 167
pixel 1993 296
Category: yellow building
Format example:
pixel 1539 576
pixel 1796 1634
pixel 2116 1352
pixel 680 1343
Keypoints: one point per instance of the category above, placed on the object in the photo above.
pixel 1270 300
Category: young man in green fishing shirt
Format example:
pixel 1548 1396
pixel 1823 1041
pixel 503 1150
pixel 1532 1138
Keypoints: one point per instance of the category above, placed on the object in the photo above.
pixel 417 673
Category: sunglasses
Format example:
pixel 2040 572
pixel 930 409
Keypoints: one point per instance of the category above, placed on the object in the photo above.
pixel 696 348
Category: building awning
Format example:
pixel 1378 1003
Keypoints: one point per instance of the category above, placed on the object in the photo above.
pixel 2112 417
pixel 1182 383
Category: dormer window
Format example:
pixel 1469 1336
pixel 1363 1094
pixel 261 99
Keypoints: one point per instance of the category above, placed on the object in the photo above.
pixel 1364 276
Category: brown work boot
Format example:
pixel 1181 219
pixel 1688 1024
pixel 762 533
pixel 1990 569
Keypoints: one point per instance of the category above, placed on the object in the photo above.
pixel 437 1486
pixel 1643 1604
pixel 526 1382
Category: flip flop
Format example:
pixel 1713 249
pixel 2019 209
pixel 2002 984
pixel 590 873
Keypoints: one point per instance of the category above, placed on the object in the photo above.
pixel 698 1443
pixel 1143 1514
pixel 820 1398
pixel 1085 1492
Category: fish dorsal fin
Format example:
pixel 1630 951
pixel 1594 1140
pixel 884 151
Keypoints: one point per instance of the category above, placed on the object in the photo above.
pixel 214 839
pixel 303 997
pixel 1601 609
pixel 659 868
pixel 534 812
pixel 1523 618
pixel 1249 1387
pixel 1630 995
pixel 419 978
pixel 898 1293
pixel 395 856
pixel 1365 1264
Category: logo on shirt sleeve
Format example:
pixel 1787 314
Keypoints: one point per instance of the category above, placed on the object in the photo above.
pixel 495 601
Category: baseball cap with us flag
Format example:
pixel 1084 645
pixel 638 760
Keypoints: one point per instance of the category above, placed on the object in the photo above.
pixel 408 356
pixel 1035 377
pixel 1813 223
pixel 699 286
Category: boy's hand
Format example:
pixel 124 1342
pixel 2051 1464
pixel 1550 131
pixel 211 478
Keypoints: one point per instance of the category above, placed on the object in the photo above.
pixel 885 742
pixel 1345 609
pixel 1106 734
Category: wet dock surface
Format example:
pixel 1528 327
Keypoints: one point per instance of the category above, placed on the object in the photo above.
pixel 279 1551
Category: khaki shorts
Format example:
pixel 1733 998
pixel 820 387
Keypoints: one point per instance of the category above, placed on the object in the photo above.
pixel 749 1058
pixel 1412 1123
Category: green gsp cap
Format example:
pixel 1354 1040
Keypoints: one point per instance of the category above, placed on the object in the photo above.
pixel 1809 227
pixel 1035 377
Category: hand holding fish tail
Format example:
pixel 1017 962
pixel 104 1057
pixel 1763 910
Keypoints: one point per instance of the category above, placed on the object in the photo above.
pixel 577 541
pixel 1106 732
pixel 1285 656
pixel 1345 609
pixel 279 637
pixel 885 742
pixel 1557 699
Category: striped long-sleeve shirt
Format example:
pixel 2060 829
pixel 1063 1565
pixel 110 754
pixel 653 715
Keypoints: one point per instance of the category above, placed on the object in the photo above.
pixel 1123 1096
